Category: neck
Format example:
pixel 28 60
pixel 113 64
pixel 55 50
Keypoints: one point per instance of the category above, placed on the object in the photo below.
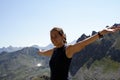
pixel 60 45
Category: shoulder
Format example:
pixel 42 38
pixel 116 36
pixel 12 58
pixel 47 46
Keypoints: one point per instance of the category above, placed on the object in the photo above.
pixel 69 51
pixel 73 49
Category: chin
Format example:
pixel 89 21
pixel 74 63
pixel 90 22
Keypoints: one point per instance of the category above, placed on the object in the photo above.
pixel 56 45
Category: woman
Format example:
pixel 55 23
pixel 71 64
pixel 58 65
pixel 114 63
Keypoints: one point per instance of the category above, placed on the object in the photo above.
pixel 61 54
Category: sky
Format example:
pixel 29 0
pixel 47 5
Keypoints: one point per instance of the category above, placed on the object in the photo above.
pixel 28 22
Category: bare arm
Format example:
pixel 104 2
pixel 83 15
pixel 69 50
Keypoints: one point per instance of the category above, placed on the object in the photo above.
pixel 72 49
pixel 46 53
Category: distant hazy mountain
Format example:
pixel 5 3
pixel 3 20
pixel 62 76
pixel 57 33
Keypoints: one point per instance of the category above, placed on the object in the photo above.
pixel 44 48
pixel 10 49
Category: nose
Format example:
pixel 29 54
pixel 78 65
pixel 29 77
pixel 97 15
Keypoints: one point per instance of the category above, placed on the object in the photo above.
pixel 54 39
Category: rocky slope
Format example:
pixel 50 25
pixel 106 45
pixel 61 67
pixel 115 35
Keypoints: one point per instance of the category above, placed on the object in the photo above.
pixel 99 60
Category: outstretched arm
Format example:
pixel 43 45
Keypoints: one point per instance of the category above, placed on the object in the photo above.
pixel 72 49
pixel 46 53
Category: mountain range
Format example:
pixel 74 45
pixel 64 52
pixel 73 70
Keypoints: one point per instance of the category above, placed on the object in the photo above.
pixel 12 49
pixel 97 61
pixel 9 49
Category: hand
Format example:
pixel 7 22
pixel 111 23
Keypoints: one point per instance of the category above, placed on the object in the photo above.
pixel 40 51
pixel 114 28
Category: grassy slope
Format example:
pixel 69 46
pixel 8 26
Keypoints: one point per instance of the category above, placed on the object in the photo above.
pixel 104 69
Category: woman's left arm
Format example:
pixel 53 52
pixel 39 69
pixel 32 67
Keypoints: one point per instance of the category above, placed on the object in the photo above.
pixel 72 49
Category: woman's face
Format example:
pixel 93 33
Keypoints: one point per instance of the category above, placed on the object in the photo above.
pixel 56 38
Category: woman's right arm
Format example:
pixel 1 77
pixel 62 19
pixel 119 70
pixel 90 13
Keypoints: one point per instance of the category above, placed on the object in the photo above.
pixel 46 53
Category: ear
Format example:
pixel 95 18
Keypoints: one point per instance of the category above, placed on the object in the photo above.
pixel 62 36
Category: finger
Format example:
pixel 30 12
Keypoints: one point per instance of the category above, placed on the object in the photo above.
pixel 112 30
pixel 115 26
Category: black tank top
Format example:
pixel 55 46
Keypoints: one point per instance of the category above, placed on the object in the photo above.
pixel 59 64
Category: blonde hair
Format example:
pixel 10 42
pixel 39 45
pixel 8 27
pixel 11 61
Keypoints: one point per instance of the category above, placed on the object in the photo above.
pixel 61 32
